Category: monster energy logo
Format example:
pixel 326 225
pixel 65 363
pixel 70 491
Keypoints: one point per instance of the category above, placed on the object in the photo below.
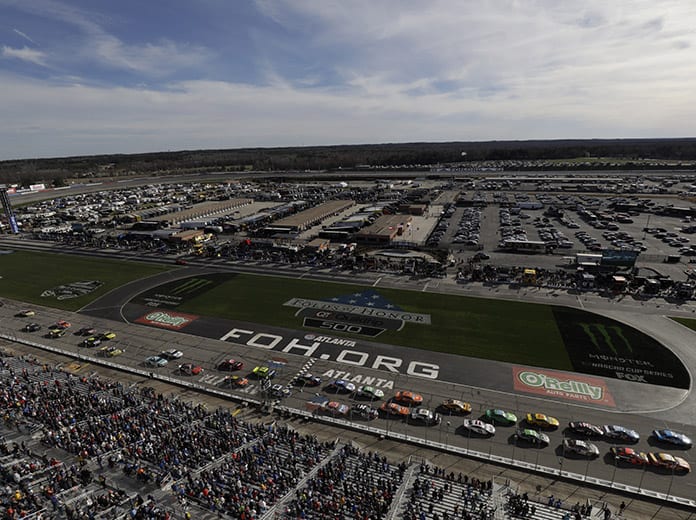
pixel 596 330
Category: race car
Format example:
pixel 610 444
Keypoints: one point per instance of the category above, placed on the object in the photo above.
pixel 31 327
pixel 230 381
pixel 55 333
pixel 542 421
pixel 500 417
pixel 110 351
pixel 408 398
pixel 619 433
pixel 586 429
pixel 478 427
pixel 230 365
pixel 280 391
pixel 308 379
pixel 263 372
pixel 336 409
pixel 629 456
pixel 156 361
pixel 424 416
pixel 341 385
pixel 171 354
pixel 532 437
pixel 669 462
pixel 369 392
pixel 61 324
pixel 105 336
pixel 671 437
pixel 395 409
pixel 27 313
pixel 580 448
pixel 92 341
pixel 455 406
pixel 86 331
pixel 189 369
pixel 365 411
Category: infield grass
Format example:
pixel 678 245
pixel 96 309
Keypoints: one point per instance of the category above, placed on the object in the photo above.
pixel 26 274
pixel 492 329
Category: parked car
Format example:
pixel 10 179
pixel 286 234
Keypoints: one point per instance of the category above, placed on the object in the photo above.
pixel 230 365
pixel 669 462
pixel 86 331
pixel 172 354
pixel 408 398
pixel 500 417
pixel 619 433
pixel 341 385
pixel 232 381
pixel 189 369
pixel 542 421
pixel 532 437
pixel 26 313
pixel 31 327
pixel 369 392
pixel 395 409
pixel 308 379
pixel 156 361
pixel 586 429
pixel 280 391
pixel 451 406
pixel 264 372
pixel 105 336
pixel 365 411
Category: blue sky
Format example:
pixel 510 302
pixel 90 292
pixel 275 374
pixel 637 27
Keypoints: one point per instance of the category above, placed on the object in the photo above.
pixel 81 77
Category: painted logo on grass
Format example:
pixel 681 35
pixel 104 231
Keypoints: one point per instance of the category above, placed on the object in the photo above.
pixel 166 319
pixel 72 290
pixel 559 384
pixel 365 313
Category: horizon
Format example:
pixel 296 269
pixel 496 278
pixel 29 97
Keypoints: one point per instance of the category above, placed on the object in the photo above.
pixel 124 78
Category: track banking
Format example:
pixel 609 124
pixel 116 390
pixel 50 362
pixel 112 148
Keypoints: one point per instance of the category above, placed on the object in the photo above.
pixel 330 348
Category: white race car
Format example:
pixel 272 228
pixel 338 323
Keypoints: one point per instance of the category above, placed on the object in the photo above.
pixel 478 427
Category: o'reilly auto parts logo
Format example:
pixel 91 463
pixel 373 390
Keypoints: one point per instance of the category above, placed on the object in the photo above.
pixel 557 384
pixel 166 319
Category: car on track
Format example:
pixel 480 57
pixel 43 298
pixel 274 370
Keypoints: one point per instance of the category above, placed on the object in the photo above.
pixel 336 409
pixel 234 381
pixel 674 438
pixel 408 398
pixel 61 324
pixel 619 433
pixel 110 351
pixel 580 448
pixel 107 335
pixel 395 409
pixel 31 327
pixel 629 456
pixel 341 385
pixel 86 331
pixel 263 372
pixel 542 421
pixel 156 361
pixel 307 379
pixel 669 462
pixel 171 354
pixel 92 341
pixel 500 417
pixel 478 427
pixel 365 411
pixel 454 406
pixel 189 369
pixel 55 333
pixel 369 392
pixel 586 429
pixel 424 416
pixel 532 437
pixel 26 313
pixel 280 391
pixel 230 365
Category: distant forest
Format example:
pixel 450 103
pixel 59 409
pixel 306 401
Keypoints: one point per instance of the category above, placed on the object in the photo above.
pixel 512 155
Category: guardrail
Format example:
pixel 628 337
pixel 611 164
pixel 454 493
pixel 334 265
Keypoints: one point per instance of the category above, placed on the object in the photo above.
pixel 379 432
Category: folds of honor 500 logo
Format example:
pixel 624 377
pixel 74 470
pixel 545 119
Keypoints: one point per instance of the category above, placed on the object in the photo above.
pixel 364 313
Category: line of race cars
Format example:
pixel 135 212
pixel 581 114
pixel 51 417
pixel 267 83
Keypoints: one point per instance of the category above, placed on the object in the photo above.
pixel 408 405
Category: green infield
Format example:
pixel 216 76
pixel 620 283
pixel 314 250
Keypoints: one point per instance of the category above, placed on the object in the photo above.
pixel 687 322
pixel 65 281
pixel 491 329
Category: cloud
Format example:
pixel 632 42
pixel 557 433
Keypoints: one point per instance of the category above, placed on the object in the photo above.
pixel 25 54
pixel 24 35
pixel 94 43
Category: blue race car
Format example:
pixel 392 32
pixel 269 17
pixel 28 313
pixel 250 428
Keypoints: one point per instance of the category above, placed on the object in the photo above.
pixel 671 437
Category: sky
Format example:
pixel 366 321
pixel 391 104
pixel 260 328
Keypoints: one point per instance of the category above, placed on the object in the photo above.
pixel 84 77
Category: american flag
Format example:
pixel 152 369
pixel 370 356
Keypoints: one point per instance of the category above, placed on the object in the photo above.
pixel 366 298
